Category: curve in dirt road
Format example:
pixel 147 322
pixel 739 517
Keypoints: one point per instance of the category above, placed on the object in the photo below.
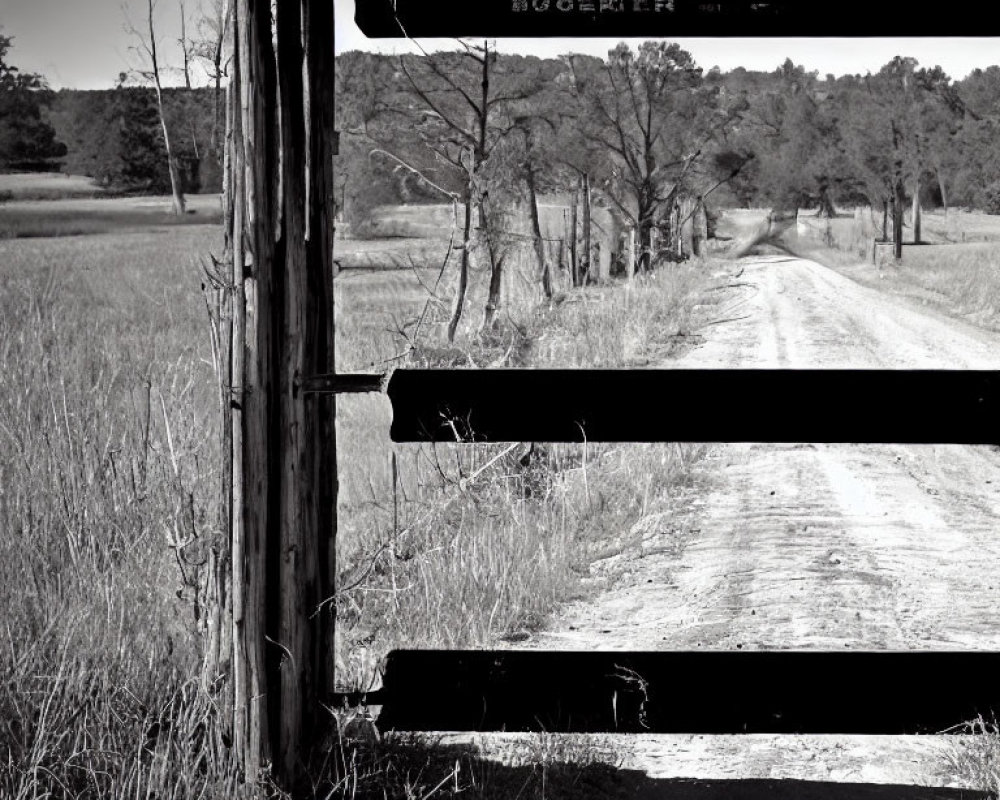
pixel 812 546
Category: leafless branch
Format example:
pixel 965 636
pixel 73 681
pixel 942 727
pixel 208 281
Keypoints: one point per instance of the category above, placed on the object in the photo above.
pixel 453 196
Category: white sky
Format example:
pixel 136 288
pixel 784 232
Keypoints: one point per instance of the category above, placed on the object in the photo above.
pixel 81 44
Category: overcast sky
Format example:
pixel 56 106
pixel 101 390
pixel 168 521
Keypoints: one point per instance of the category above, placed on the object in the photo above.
pixel 82 44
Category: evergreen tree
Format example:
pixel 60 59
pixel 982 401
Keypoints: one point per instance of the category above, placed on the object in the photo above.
pixel 140 143
pixel 27 140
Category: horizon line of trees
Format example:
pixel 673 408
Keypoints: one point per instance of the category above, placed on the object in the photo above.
pixel 783 138
pixel 139 136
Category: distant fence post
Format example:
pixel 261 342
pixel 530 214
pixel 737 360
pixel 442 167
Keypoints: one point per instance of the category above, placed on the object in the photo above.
pixel 574 264
pixel 699 228
pixel 585 269
pixel 630 254
pixel 561 258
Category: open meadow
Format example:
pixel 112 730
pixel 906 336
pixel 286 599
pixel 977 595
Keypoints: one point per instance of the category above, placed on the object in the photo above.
pixel 109 472
pixel 956 266
pixel 46 186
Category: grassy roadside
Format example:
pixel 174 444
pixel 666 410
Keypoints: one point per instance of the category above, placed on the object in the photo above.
pixel 957 274
pixel 480 542
pixel 107 479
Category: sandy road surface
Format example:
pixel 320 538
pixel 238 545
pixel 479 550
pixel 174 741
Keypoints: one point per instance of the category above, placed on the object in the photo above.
pixel 813 546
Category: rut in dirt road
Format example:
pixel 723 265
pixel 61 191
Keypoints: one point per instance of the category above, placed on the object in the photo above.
pixel 812 546
pixel 792 313
pixel 815 545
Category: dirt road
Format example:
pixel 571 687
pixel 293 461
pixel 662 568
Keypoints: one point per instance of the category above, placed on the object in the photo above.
pixel 813 546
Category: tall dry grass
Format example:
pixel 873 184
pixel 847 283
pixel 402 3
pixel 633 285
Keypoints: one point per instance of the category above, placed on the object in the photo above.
pixel 108 473
pixel 105 500
pixel 973 758
pixel 459 545
pixel 958 266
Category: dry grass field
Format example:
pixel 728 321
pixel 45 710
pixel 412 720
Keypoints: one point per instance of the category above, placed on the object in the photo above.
pixel 108 474
pixel 957 267
pixel 46 186
pixel 86 216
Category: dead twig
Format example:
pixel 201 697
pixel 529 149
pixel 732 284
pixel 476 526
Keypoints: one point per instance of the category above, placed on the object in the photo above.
pixel 722 286
pixel 727 319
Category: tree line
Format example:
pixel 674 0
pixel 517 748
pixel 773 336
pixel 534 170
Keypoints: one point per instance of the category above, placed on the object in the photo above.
pixel 115 136
pixel 641 127
pixel 657 137
pixel 643 124
pixel 138 137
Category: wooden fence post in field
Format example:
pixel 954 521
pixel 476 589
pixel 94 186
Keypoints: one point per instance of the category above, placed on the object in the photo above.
pixel 585 268
pixel 897 222
pixel 544 268
pixel 699 223
pixel 676 228
pixel 574 264
pixel 630 255
pixel 686 224
pixel 561 257
pixel 283 489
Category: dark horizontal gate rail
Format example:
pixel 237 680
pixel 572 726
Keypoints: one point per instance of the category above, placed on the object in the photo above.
pixel 716 692
pixel 677 405
pixel 669 18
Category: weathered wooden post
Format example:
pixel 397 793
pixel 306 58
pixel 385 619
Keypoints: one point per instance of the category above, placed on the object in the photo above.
pixel 585 268
pixel 630 254
pixel 897 222
pixel 283 457
pixel 574 265
pixel 699 228
pixel 675 226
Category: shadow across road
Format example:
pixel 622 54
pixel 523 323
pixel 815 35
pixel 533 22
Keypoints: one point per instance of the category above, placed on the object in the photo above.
pixel 412 767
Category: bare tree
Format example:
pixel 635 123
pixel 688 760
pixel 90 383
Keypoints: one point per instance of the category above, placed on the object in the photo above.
pixel 210 47
pixel 455 137
pixel 463 120
pixel 185 44
pixel 532 159
pixel 654 116
pixel 146 47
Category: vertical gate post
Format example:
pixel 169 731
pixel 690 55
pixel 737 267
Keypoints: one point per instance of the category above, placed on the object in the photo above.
pixel 283 456
pixel 253 234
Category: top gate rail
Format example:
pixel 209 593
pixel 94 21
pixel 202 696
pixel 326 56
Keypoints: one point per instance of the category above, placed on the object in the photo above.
pixel 862 406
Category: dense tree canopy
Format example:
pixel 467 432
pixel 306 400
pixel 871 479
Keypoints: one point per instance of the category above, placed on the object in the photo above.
pixel 114 136
pixel 26 138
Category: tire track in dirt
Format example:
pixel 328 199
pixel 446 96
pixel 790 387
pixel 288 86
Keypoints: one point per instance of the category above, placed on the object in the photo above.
pixel 812 546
